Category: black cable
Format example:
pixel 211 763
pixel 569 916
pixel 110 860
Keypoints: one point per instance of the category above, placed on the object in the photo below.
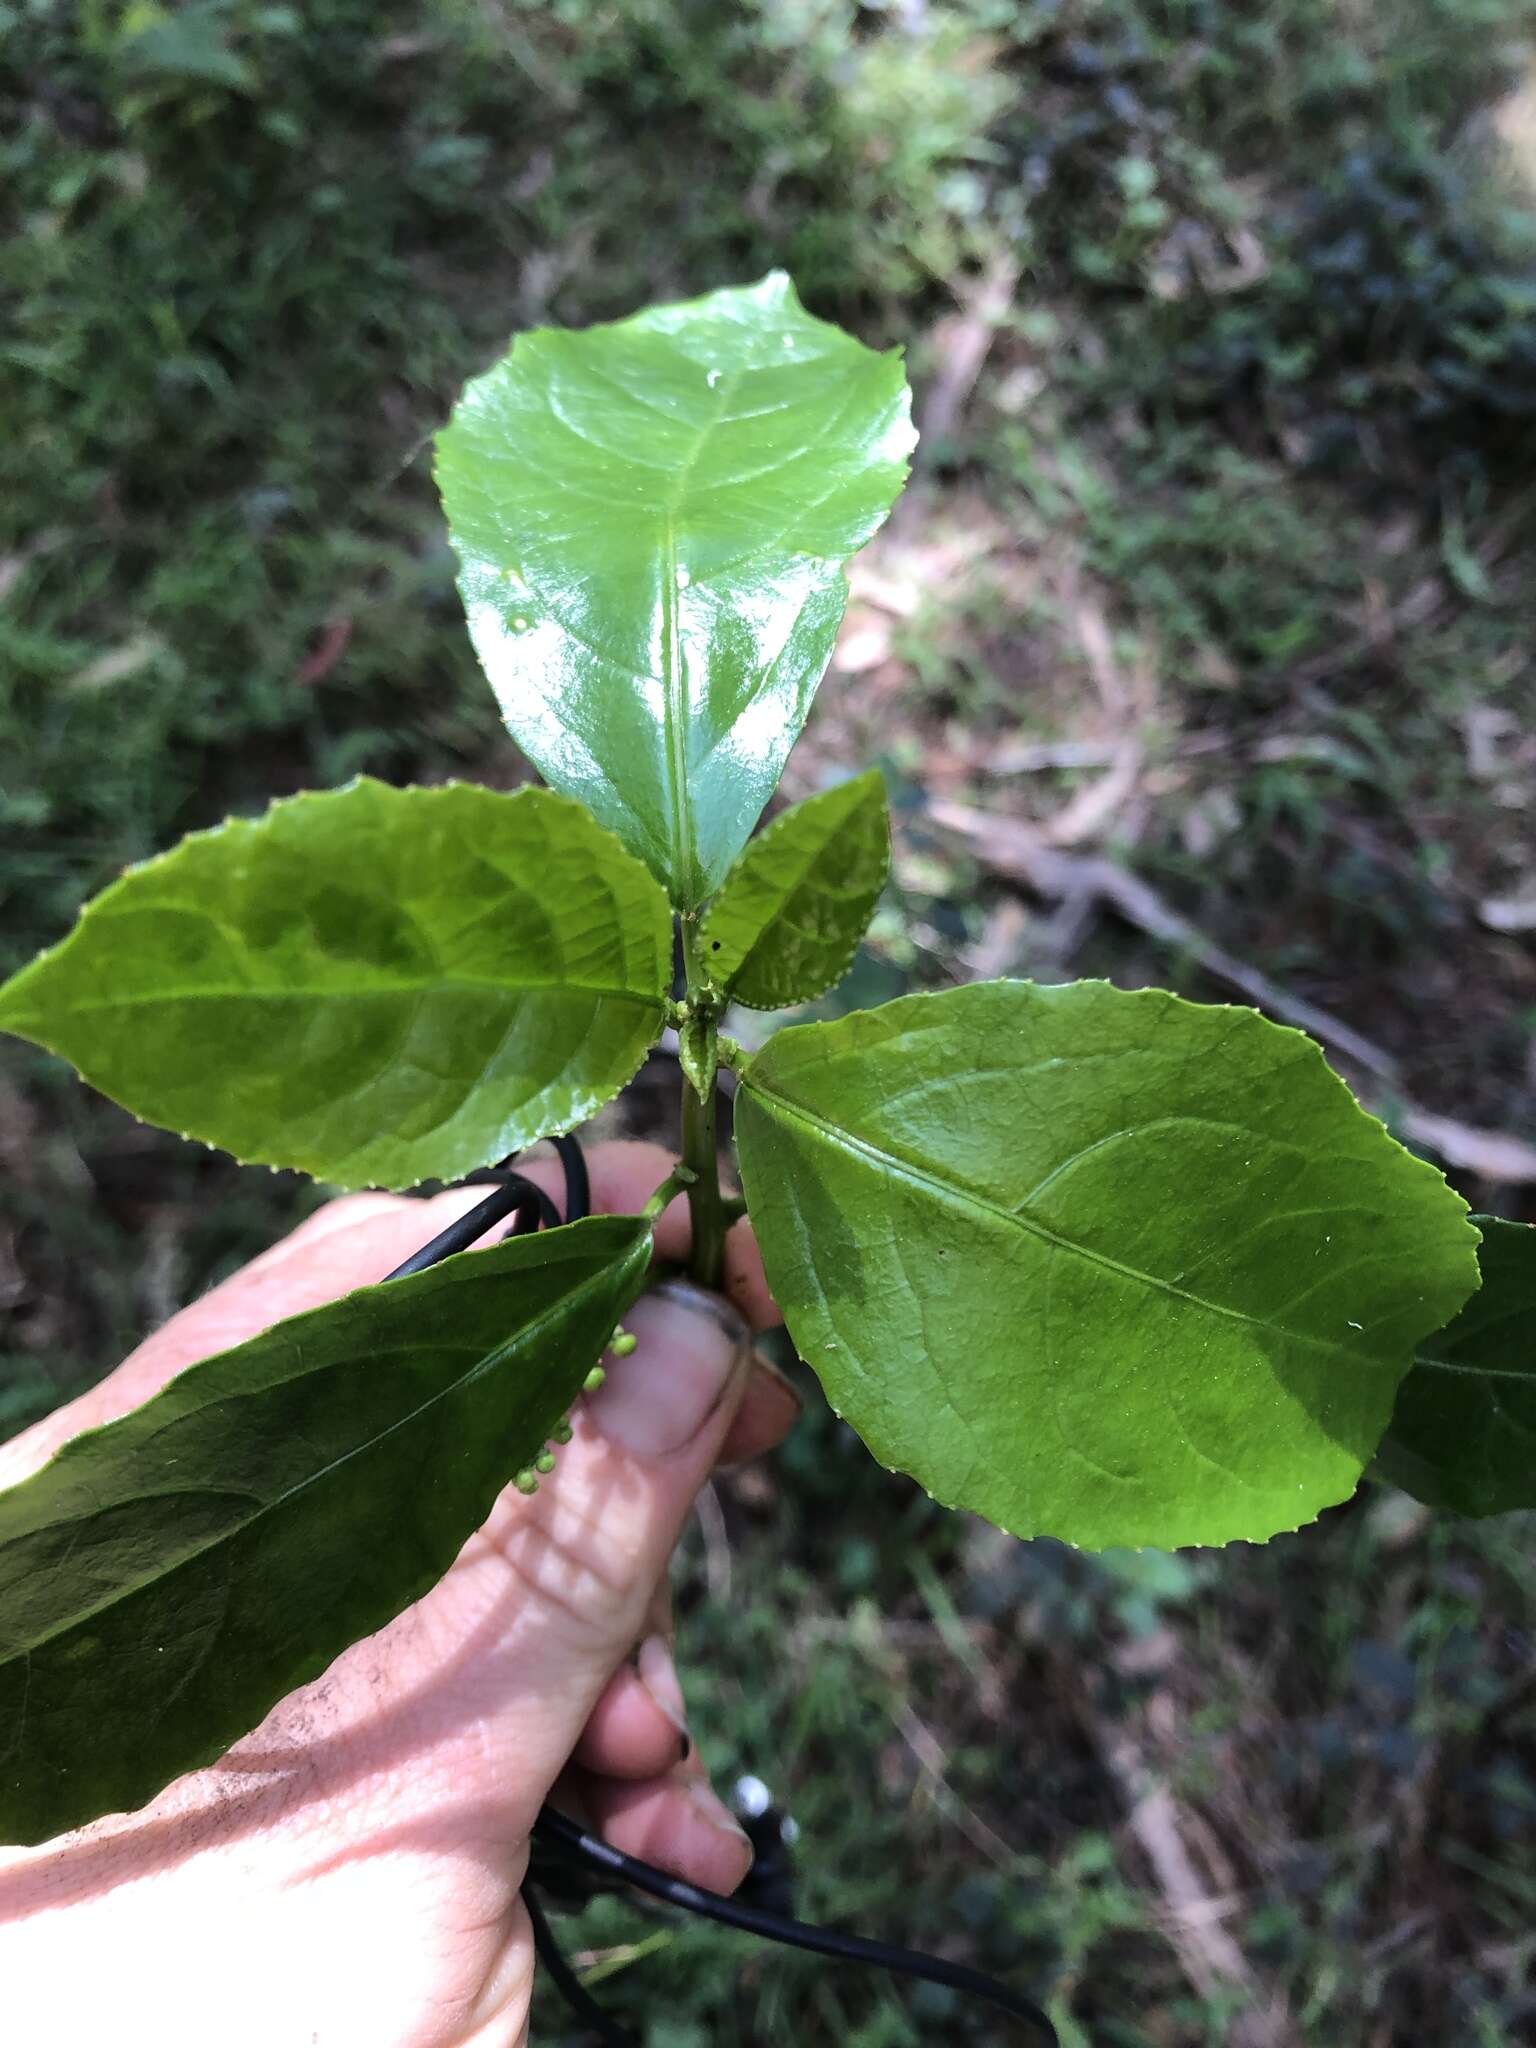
pixel 566 1981
pixel 557 1837
pixel 553 1830
pixel 549 1216
pixel 578 1186
pixel 515 1197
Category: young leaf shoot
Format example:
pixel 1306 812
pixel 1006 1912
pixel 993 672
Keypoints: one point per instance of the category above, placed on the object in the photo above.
pixel 786 925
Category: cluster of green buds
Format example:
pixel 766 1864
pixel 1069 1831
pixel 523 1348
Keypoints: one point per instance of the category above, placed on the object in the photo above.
pixel 621 1344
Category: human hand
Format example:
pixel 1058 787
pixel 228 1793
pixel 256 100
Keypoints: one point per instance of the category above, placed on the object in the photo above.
pixel 348 1875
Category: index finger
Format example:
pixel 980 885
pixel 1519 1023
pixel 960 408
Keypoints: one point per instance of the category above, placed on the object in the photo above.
pixel 354 1242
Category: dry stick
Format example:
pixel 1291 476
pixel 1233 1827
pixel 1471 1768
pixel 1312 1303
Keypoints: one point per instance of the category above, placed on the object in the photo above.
pixel 1022 853
pixel 967 342
pixel 962 345
pixel 1162 1828
pixel 1492 1155
pixel 932 1761
pixel 716 1539
pixel 1209 1956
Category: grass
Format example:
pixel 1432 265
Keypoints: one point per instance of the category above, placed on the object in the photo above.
pixel 1244 475
pixel 1338 1777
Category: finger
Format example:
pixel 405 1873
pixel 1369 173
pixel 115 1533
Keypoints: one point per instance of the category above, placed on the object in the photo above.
pixel 627 1173
pixel 677 1822
pixel 658 1613
pixel 662 1703
pixel 769 1408
pixel 349 1243
pixel 638 1729
pixel 745 1282
pixel 624 1174
pixel 352 1242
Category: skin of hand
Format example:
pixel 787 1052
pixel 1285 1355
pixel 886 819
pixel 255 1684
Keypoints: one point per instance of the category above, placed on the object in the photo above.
pixel 347 1876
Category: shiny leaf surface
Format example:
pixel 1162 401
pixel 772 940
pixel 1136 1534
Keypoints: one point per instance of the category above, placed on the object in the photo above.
pixel 1110 1267
pixel 1463 1433
pixel 376 985
pixel 164 1581
pixel 651 520
pixel 788 921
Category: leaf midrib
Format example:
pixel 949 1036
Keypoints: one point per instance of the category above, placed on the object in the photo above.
pixel 685 852
pixel 488 1363
pixel 966 1198
pixel 674 713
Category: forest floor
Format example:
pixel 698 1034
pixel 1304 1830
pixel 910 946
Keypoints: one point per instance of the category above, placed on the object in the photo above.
pixel 1197 654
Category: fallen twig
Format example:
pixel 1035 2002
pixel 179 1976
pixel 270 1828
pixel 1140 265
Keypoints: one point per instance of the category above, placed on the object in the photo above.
pixel 1492 1155
pixel 1193 1916
pixel 1023 853
pixel 963 343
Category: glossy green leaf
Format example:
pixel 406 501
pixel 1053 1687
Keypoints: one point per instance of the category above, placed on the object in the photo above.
pixel 651 520
pixel 1463 1433
pixel 165 1580
pixel 1110 1267
pixel 787 924
pixel 377 985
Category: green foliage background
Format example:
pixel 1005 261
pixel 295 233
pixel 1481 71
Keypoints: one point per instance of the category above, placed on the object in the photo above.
pixel 1268 390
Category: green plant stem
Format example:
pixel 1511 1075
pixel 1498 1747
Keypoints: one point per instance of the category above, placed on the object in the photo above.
pixel 679 1178
pixel 706 1203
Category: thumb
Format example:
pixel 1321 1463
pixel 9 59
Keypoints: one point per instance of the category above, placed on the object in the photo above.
pixel 587 1552
pixel 669 1404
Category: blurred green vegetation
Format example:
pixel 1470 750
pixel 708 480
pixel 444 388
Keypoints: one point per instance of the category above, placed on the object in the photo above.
pixel 1264 387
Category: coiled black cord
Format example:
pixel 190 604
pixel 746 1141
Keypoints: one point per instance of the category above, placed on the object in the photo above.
pixel 559 1845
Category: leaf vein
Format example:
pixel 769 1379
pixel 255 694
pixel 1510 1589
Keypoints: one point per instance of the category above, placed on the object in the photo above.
pixel 994 1212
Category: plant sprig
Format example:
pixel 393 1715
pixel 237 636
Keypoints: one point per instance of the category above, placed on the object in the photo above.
pixel 1102 1265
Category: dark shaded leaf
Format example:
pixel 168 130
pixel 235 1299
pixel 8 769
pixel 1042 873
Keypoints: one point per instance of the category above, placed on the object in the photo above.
pixel 1463 1433
pixel 165 1580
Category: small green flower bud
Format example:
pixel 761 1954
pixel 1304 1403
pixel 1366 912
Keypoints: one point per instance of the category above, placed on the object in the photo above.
pixel 593 1380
